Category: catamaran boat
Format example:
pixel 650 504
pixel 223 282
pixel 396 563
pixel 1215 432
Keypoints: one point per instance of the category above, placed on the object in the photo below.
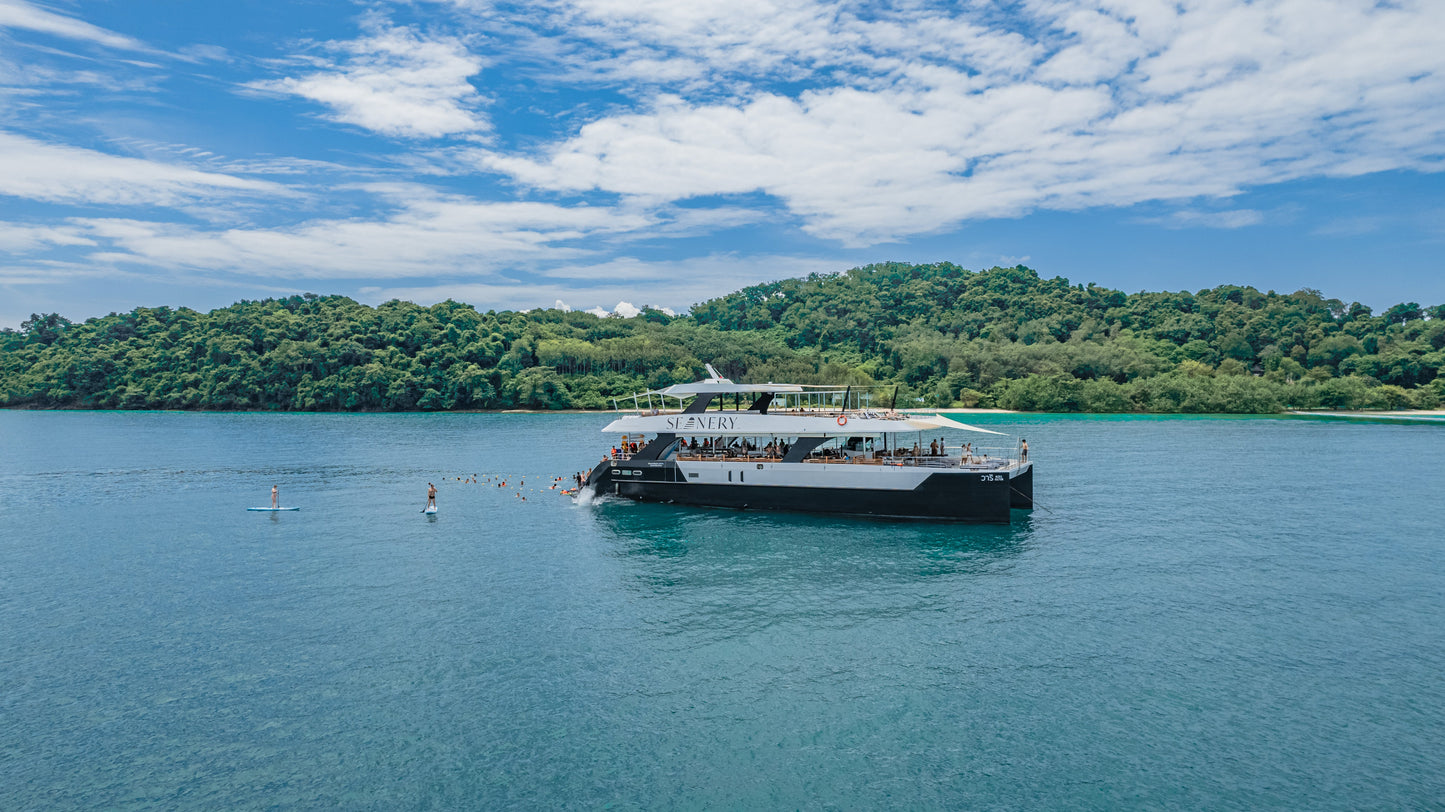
pixel 808 448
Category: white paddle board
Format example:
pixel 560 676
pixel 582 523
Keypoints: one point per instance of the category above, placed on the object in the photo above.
pixel 430 510
pixel 273 510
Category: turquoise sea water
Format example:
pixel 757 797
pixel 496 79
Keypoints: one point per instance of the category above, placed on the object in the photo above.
pixel 1203 613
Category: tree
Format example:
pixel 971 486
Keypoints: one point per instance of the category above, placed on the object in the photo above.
pixel 46 328
pixel 938 331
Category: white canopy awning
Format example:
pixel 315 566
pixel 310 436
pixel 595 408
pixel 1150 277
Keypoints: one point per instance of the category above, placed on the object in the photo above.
pixel 753 424
pixel 941 422
pixel 725 387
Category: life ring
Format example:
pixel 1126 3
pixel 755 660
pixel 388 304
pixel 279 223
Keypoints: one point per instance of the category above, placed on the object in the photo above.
pixel 842 419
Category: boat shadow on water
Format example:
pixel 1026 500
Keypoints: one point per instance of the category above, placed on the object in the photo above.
pixel 660 531
pixel 713 575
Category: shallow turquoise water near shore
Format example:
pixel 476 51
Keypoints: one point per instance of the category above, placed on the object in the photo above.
pixel 1203 613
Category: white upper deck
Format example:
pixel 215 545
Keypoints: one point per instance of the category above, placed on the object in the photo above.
pixel 781 420
pixel 853 423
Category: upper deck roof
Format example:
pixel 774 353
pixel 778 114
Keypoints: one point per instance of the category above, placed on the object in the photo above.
pixel 788 424
pixel 718 385
pixel 804 423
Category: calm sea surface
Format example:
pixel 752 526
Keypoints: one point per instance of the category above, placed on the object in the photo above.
pixel 1203 613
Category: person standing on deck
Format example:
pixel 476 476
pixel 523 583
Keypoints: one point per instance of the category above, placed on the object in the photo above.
pixel 1023 450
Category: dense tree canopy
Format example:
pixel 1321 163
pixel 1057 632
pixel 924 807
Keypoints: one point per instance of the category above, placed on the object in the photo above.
pixel 942 335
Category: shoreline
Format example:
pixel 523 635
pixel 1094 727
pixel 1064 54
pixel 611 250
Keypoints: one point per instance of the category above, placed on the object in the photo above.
pixel 1431 415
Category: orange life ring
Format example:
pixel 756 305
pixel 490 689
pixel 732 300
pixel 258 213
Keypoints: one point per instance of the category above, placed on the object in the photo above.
pixel 842 419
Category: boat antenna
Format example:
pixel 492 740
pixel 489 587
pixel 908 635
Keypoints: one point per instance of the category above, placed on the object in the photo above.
pixel 893 402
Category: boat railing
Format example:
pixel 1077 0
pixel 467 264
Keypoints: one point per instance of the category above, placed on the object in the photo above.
pixel 978 458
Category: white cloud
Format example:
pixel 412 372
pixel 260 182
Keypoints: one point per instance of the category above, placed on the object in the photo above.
pixel 933 122
pixel 428 236
pixel 734 42
pixel 861 125
pixel 396 82
pixel 672 285
pixel 62 174
pixel 1237 218
pixel 20 14
pixel 626 310
pixel 18 239
pixel 562 306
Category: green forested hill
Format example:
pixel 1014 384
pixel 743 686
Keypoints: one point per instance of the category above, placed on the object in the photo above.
pixel 945 336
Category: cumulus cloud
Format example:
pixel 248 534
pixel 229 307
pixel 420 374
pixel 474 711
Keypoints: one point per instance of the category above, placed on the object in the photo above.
pixel 396 82
pixel 857 123
pixel 1113 103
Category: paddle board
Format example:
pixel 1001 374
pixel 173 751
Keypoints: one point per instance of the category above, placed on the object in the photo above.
pixel 273 510
pixel 431 510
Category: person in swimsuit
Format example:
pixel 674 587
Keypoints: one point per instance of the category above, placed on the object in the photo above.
pixel 431 495
pixel 275 496
pixel 1024 449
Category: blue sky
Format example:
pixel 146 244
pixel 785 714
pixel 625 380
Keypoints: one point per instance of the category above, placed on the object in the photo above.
pixel 612 153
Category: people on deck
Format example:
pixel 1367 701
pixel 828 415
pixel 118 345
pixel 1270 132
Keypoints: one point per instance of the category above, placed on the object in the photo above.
pixel 1023 450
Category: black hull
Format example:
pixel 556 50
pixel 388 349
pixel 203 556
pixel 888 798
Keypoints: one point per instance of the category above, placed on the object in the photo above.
pixel 1021 490
pixel 964 497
